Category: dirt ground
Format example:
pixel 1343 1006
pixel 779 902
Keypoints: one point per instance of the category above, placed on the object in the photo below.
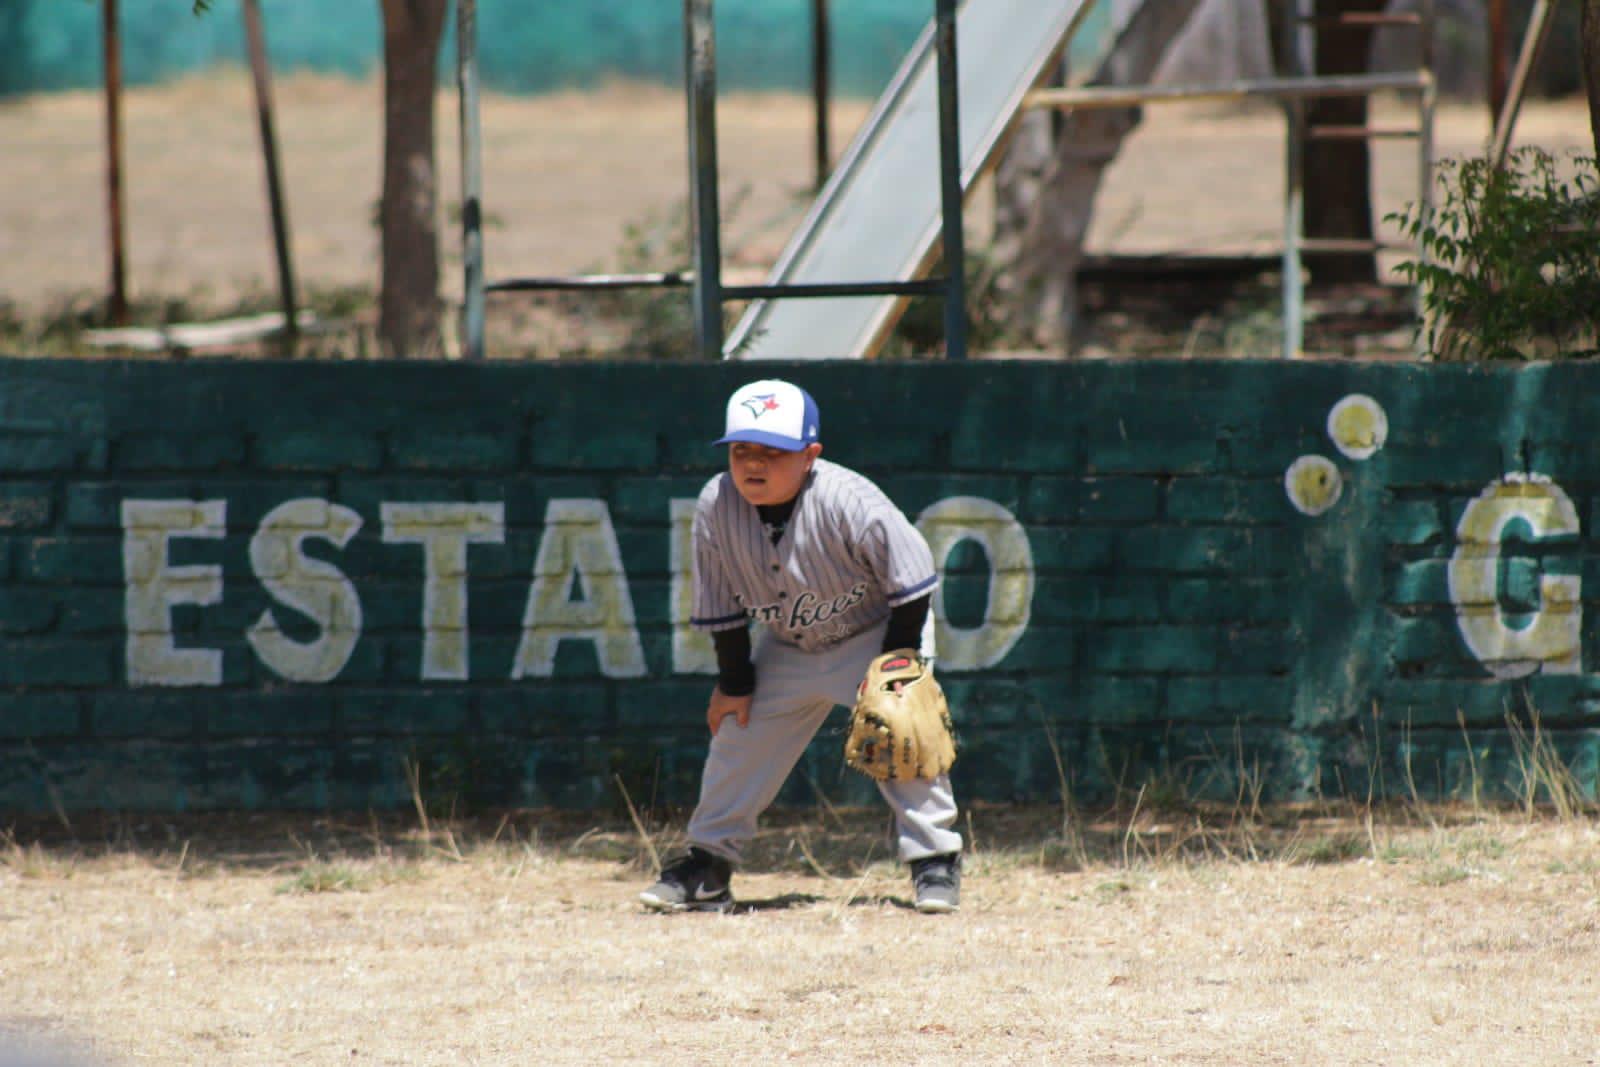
pixel 1437 937
pixel 566 177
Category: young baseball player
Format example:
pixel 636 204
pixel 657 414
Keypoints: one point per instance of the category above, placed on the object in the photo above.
pixel 834 575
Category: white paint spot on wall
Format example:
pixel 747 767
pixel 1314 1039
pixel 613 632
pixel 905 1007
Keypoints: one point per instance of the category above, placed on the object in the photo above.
pixel 1551 642
pixel 1313 484
pixel 1358 426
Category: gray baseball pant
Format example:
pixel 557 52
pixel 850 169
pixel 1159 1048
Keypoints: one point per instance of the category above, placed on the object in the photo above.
pixel 795 692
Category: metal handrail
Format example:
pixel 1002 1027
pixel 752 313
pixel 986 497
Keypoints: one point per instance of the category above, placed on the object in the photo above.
pixel 559 282
pixel 1309 87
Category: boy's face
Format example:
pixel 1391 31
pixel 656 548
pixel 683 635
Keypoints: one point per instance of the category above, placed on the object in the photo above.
pixel 765 475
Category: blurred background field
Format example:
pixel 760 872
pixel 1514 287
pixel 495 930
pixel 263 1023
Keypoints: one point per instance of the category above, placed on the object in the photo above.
pixel 586 170
pixel 574 181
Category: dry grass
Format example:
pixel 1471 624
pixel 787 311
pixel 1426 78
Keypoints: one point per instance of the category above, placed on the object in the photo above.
pixel 1451 935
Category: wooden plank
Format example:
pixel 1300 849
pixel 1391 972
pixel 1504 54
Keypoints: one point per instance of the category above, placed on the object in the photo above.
pixel 243 330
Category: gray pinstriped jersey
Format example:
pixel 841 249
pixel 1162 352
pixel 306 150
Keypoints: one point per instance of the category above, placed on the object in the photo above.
pixel 847 556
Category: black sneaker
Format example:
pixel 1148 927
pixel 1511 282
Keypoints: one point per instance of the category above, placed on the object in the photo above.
pixel 938 882
pixel 696 882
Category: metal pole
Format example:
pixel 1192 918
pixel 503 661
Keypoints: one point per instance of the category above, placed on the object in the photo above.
pixel 261 72
pixel 955 301
pixel 113 59
pixel 1294 192
pixel 472 310
pixel 1497 58
pixel 700 70
pixel 821 70
pixel 1539 24
pixel 1426 105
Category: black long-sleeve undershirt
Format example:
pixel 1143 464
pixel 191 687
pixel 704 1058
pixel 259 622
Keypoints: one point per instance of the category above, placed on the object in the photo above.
pixel 736 675
pixel 905 624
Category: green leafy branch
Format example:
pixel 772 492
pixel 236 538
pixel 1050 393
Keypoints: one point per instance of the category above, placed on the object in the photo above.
pixel 1509 269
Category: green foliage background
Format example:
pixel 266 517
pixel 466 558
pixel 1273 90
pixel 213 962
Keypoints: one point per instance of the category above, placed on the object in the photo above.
pixel 539 45
pixel 1511 271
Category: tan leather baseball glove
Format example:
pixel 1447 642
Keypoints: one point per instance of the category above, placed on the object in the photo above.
pixel 900 727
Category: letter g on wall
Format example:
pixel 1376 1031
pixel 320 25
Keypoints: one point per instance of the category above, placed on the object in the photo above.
pixel 1551 642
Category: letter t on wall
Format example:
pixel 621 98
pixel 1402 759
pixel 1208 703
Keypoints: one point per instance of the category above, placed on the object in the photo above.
pixel 444 531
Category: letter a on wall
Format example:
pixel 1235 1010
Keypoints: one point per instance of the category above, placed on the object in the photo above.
pixel 579 545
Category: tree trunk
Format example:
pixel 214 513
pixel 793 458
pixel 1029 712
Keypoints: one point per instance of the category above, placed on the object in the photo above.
pixel 1018 183
pixel 409 312
pixel 1046 181
pixel 1338 173
pixel 1591 66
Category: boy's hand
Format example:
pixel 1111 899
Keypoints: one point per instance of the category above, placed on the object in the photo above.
pixel 722 706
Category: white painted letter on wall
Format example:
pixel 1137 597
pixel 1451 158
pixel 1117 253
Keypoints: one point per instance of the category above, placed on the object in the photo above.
pixel 579 545
pixel 444 531
pixel 1551 642
pixel 316 589
pixel 154 587
pixel 692 650
pixel 1005 543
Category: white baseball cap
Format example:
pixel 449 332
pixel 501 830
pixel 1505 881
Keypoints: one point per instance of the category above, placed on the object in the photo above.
pixel 774 413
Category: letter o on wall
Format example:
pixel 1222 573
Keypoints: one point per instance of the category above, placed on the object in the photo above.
pixel 946 524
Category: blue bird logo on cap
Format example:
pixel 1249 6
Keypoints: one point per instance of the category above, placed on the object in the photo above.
pixel 760 405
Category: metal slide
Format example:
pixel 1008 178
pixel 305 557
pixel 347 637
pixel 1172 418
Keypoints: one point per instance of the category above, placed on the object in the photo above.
pixel 877 218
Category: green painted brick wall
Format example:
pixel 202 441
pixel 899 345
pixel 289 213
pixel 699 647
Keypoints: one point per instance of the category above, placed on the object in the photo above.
pixel 1195 612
